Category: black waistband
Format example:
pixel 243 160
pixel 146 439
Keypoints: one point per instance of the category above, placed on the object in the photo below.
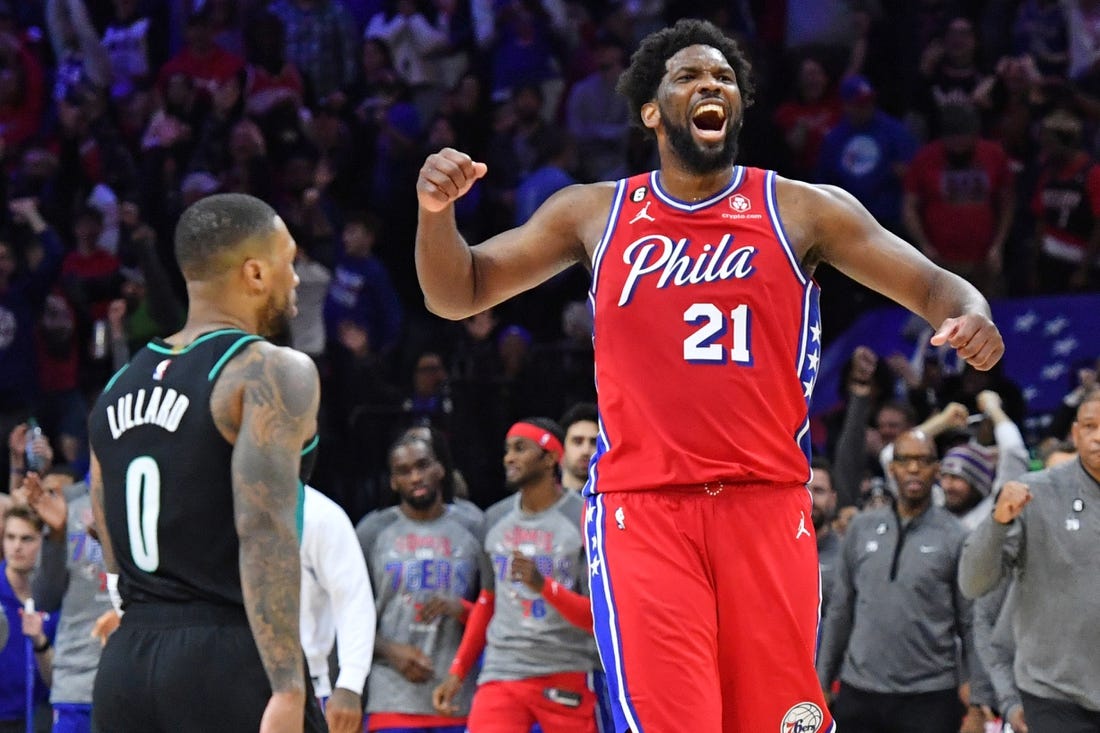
pixel 197 613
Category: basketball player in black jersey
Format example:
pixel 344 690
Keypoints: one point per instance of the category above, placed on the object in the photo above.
pixel 196 450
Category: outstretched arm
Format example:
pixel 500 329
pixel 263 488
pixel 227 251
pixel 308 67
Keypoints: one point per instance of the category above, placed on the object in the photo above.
pixel 279 394
pixel 840 231
pixel 458 280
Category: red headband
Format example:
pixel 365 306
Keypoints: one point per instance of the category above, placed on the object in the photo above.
pixel 541 436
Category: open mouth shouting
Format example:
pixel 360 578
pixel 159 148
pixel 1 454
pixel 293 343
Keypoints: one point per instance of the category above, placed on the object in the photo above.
pixel 708 121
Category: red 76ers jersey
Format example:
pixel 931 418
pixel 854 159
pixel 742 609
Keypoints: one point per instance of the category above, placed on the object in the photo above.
pixel 707 339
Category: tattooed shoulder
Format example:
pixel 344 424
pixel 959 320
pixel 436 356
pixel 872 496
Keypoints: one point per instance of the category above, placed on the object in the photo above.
pixel 269 374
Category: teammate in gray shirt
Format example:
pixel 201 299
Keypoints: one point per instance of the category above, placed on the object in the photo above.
pixel 896 614
pixel 1052 546
pixel 423 562
pixel 71 578
pixel 533 617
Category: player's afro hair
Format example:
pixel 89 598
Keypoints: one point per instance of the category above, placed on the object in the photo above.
pixel 640 80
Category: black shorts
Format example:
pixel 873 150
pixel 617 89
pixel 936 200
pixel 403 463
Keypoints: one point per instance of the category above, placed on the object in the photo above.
pixel 185 668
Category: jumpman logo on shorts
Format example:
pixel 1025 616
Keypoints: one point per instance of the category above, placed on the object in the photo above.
pixel 643 214
pixel 802 527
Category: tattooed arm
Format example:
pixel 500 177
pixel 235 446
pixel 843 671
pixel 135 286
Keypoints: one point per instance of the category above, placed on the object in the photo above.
pixel 276 391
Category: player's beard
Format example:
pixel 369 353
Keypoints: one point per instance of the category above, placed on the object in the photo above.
pixel 819 518
pixel 420 503
pixel 275 317
pixel 698 159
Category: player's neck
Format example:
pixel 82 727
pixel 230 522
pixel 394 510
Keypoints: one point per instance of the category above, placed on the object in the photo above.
pixel 687 185
pixel 208 311
pixel 539 496
pixel 20 582
pixel 569 482
pixel 912 510
pixel 435 511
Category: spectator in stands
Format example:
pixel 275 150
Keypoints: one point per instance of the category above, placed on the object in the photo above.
pixel 1039 31
pixel 22 94
pixel 951 73
pixel 807 116
pixel 83 66
pixel 24 287
pixel 322 43
pixel 361 291
pixel 1067 207
pixel 581 423
pixel 824 512
pixel 599 118
pixel 270 79
pixel 203 61
pixel 22 540
pixel 960 199
pixel 135 43
pixel 414 42
pixel 62 410
pixel 554 159
pixel 868 153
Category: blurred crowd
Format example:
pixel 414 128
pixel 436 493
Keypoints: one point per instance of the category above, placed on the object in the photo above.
pixel 969 128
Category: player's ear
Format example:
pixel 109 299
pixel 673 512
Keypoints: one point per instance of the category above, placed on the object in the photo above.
pixel 651 114
pixel 254 273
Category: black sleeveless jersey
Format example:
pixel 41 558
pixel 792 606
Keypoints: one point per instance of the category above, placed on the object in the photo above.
pixel 167 485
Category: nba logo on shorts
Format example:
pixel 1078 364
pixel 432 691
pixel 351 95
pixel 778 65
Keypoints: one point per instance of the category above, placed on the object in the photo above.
pixel 805 717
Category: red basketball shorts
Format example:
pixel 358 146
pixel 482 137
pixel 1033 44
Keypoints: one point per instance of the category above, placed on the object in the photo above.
pixel 559 703
pixel 706 609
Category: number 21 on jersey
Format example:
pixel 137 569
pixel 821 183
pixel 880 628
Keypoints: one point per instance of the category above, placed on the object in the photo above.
pixel 706 344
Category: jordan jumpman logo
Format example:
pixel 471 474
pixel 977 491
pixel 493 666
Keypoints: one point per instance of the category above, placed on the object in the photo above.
pixel 802 527
pixel 643 214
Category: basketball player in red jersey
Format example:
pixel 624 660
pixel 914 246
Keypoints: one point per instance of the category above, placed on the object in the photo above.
pixel 702 555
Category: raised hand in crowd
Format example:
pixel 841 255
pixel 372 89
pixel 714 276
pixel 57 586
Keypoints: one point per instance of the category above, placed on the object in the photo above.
pixel 25 211
pixel 17 456
pixel 954 415
pixel 47 503
pixel 864 362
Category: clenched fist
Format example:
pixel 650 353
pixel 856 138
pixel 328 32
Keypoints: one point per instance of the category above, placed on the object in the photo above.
pixel 1011 501
pixel 445 177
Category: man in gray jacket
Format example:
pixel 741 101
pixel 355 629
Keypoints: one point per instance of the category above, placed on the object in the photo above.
pixel 1052 548
pixel 895 615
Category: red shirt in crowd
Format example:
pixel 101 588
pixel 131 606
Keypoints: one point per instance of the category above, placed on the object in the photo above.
pixel 207 72
pixel 87 266
pixel 818 117
pixel 958 206
pixel 1067 205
